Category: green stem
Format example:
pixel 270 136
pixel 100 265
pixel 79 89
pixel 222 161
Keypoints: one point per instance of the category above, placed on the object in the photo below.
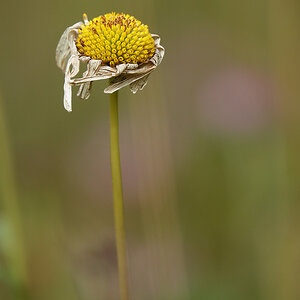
pixel 118 197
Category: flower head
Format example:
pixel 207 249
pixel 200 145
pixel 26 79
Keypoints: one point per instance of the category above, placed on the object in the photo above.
pixel 115 46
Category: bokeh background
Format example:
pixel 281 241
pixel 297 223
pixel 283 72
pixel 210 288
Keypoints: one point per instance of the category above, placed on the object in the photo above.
pixel 209 151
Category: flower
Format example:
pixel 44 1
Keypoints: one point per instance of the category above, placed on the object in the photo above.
pixel 115 46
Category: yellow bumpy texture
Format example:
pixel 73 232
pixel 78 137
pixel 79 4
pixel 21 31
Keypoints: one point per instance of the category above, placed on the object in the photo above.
pixel 116 39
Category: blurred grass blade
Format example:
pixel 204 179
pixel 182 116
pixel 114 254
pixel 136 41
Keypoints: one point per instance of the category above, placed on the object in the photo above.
pixel 11 240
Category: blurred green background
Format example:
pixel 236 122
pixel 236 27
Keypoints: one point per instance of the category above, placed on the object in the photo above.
pixel 209 151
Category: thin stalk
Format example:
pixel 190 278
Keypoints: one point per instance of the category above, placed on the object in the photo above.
pixel 118 197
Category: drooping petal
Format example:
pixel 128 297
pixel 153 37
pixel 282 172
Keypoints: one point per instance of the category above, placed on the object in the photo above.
pixel 160 51
pixel 72 69
pixel 92 68
pixel 66 47
pixel 142 69
pixel 67 96
pixel 123 80
pixel 139 84
pixel 102 72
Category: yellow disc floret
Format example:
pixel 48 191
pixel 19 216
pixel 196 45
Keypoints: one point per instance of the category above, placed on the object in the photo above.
pixel 116 39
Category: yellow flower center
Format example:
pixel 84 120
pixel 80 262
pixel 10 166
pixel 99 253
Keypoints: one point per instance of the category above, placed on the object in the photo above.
pixel 116 39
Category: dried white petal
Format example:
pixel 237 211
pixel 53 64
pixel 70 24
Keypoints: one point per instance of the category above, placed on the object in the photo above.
pixel 72 69
pixel 139 84
pixel 67 96
pixel 103 72
pixel 66 46
pixel 92 68
pixel 142 69
pixel 131 66
pixel 159 52
pixel 122 81
pixel 73 65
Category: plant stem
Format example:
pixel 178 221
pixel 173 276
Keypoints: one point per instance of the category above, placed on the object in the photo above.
pixel 118 197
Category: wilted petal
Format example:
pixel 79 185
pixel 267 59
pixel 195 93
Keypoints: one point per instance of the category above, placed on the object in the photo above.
pixel 132 66
pixel 112 71
pixel 68 96
pixel 156 39
pixel 84 88
pixel 160 51
pixel 90 78
pixel 84 59
pixel 120 69
pixel 139 84
pixel 102 72
pixel 122 81
pixel 71 70
pixel 142 69
pixel 65 46
pixel 92 68
pixel 106 71
pixel 73 66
